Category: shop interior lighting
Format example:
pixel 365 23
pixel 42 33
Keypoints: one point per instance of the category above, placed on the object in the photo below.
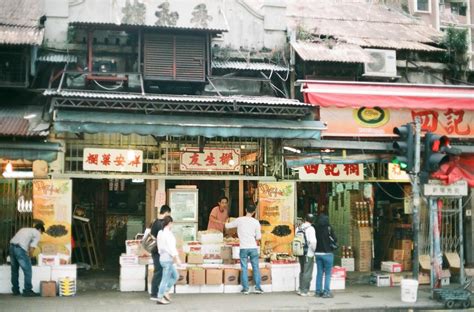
pixel 291 149
pixel 10 173
pixel 29 116
pixel 138 180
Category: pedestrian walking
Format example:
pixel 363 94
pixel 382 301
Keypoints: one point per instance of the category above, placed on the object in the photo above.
pixel 168 256
pixel 248 231
pixel 307 259
pixel 22 246
pixel 324 256
pixel 156 227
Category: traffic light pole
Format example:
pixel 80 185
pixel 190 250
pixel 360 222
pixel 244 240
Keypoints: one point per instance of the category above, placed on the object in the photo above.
pixel 416 197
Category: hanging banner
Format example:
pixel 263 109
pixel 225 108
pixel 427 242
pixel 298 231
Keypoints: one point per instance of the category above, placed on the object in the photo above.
pixel 374 122
pixel 211 159
pixel 276 211
pixel 396 173
pixel 105 159
pixel 52 204
pixel 332 172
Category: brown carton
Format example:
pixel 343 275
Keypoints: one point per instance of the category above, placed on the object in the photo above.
pixel 183 277
pixel 195 258
pixel 182 256
pixel 196 276
pixel 424 279
pixel 214 276
pixel 48 289
pixel 399 255
pixel 425 263
pixel 226 252
pixel 454 261
pixel 407 265
pixel 231 276
pixel 405 244
pixel 265 276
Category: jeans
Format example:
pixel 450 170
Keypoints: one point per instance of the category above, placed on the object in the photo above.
pixel 169 278
pixel 306 273
pixel 244 255
pixel 324 263
pixel 157 274
pixel 19 258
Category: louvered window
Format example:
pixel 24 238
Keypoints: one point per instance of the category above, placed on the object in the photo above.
pixel 174 57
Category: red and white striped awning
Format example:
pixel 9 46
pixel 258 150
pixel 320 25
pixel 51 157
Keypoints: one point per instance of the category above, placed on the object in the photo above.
pixel 387 95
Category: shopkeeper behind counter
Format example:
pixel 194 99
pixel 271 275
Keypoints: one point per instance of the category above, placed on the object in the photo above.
pixel 219 215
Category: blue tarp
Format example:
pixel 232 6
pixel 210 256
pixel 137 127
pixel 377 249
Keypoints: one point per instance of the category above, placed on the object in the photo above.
pixel 29 151
pixel 160 125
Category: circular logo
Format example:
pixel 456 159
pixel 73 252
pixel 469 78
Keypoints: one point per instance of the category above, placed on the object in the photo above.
pixel 232 278
pixel 371 117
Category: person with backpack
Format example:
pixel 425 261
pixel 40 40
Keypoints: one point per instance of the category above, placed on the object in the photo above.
pixel 306 235
pixel 327 243
pixel 156 227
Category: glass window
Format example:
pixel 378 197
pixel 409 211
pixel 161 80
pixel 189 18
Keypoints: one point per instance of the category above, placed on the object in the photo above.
pixel 422 5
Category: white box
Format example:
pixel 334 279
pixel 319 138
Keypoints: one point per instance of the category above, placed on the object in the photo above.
pixel 5 279
pixel 128 259
pixel 187 289
pixel 338 283
pixel 232 289
pixel 383 280
pixel 61 271
pixel 348 263
pixel 211 249
pixel 392 267
pixel 210 237
pixel 132 284
pixel 235 252
pixel 40 273
pixel 132 272
pixel 44 260
pixel 212 289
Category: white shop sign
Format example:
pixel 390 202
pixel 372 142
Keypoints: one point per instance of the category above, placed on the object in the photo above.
pixel 105 159
pixel 396 173
pixel 332 172
pixel 435 188
pixel 211 159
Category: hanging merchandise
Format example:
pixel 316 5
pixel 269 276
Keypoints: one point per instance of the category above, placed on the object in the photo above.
pixel 122 185
pixel 116 185
pixel 111 185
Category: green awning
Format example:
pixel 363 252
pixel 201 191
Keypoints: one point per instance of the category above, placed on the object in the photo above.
pixel 47 151
pixel 159 125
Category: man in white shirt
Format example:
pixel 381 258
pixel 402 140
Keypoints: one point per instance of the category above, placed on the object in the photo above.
pixel 22 245
pixel 248 230
pixel 307 260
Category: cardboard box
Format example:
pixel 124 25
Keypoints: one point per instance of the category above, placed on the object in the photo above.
pixel 133 247
pixel 226 252
pixel 454 261
pixel 236 252
pixel 48 260
pixel 424 279
pixel 214 277
pixel 128 259
pixel 231 276
pixel 338 272
pixel 405 244
pixel 392 267
pixel 210 237
pixel 425 263
pixel 62 271
pixel 445 278
pixel 48 289
pixel 133 271
pixel 195 258
pixel 382 280
pixel 265 276
pixel 196 276
pixel 132 285
pixel 348 264
pixel 399 255
pixel 363 234
pixel 337 283
pixel 211 249
pixel 396 279
pixel 183 277
pixel 407 265
pixel 182 256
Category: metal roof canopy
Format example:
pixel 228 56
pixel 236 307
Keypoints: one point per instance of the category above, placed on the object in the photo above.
pixel 152 104
pixel 386 95
pixel 47 151
pixel 159 125
pixel 113 26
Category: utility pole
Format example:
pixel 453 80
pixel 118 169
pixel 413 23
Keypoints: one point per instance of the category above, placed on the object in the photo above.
pixel 416 197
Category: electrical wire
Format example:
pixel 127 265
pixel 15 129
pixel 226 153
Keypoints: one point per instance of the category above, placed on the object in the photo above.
pixel 107 88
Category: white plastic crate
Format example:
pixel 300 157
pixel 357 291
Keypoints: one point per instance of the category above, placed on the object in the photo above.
pixel 61 271
pixel 132 285
pixel 132 271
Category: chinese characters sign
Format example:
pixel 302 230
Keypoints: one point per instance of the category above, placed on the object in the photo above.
pixel 380 122
pixel 396 173
pixel 104 159
pixel 332 172
pixel 434 188
pixel 212 159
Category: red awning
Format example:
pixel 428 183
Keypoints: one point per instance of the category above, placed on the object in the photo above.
pixel 387 95
pixel 458 168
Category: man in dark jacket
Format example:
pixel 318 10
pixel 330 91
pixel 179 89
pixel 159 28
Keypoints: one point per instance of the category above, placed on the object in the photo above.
pixel 157 226
pixel 324 256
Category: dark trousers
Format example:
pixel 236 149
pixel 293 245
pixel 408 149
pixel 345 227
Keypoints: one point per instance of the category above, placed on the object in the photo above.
pixel 306 273
pixel 19 259
pixel 157 274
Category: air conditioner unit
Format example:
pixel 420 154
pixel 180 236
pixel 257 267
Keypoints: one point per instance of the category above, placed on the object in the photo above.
pixel 384 63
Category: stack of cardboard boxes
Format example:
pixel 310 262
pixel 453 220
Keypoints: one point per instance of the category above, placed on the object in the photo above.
pixel 362 242
pixel 402 253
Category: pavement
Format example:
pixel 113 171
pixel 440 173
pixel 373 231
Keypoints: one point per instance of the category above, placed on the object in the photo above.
pixel 354 298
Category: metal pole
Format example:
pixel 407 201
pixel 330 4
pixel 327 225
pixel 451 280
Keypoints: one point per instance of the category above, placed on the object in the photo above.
pixel 432 252
pixel 416 198
pixel 461 241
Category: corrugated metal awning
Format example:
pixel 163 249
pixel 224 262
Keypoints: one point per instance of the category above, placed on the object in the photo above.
pixel 20 35
pixel 91 122
pixel 57 58
pixel 14 123
pixel 396 44
pixel 247 66
pixel 339 52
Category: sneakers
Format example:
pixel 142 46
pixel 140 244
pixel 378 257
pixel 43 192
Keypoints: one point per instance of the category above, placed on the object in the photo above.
pixel 258 291
pixel 327 295
pixel 245 291
pixel 167 297
pixel 30 293
pixel 154 298
pixel 318 294
pixel 302 294
pixel 162 301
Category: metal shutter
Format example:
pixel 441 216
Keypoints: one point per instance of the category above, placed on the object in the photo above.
pixel 190 58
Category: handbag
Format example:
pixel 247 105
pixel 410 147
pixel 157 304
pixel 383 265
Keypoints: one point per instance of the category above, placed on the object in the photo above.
pixel 148 242
pixel 332 241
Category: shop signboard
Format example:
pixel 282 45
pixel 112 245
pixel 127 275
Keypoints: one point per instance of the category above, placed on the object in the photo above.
pixel 276 211
pixel 332 172
pixel 396 173
pixel 376 121
pixel 437 189
pixel 105 159
pixel 211 159
pixel 52 204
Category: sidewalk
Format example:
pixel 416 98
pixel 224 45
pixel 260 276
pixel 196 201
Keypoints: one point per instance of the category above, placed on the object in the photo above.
pixel 355 298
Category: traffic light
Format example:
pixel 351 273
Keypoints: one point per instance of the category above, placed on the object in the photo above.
pixel 404 147
pixel 437 151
